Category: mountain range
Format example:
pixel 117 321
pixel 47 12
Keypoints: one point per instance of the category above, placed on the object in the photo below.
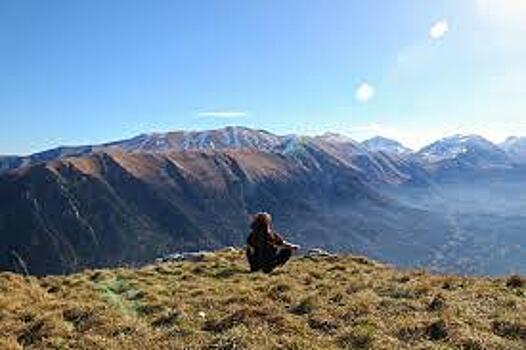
pixel 453 148
pixel 129 201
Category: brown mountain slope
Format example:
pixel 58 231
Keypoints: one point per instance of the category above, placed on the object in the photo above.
pixel 111 208
pixel 114 207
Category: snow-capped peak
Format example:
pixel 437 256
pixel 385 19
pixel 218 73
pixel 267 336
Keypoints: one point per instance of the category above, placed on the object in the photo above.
pixel 335 138
pixel 388 146
pixel 473 149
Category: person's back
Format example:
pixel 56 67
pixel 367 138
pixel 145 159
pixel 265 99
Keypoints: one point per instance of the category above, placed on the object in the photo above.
pixel 265 249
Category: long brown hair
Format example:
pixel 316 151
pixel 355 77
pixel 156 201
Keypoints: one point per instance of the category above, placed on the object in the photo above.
pixel 261 224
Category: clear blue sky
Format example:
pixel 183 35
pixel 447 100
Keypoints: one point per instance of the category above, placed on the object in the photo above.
pixel 76 72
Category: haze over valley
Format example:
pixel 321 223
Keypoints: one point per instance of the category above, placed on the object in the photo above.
pixel 454 206
pixel 300 174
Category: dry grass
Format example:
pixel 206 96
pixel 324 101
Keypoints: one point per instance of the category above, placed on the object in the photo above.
pixel 312 303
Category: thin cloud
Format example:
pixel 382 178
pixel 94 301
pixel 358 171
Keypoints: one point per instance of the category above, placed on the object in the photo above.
pixel 439 29
pixel 364 92
pixel 222 114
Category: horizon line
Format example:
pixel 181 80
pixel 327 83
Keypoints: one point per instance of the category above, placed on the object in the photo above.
pixel 318 134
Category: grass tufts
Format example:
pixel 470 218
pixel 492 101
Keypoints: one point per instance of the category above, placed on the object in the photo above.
pixel 323 302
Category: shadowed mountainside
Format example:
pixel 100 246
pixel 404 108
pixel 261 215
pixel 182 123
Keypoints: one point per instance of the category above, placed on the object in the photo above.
pixel 113 208
pixel 129 201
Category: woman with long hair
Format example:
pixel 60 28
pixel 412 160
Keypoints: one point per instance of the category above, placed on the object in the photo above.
pixel 266 249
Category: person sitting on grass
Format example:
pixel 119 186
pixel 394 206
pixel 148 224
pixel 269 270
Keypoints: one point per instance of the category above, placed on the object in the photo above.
pixel 266 250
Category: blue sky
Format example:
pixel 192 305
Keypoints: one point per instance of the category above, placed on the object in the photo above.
pixel 77 72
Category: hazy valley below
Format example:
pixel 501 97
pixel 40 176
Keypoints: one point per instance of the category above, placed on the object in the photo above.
pixel 456 206
pixel 486 220
pixel 263 175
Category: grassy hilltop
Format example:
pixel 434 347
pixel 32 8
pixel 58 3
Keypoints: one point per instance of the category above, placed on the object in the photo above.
pixel 312 303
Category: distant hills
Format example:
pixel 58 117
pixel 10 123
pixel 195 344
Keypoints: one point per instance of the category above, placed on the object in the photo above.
pixel 457 147
pixel 128 201
pixel 382 144
pixel 461 152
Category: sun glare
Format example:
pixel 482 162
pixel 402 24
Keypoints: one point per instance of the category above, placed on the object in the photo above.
pixel 505 11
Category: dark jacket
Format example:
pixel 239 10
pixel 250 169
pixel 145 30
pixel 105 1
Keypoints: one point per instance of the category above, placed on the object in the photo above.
pixel 262 248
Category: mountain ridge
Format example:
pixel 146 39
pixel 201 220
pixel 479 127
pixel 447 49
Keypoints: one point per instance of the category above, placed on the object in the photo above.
pixel 238 137
pixel 128 204
pixel 97 209
pixel 389 146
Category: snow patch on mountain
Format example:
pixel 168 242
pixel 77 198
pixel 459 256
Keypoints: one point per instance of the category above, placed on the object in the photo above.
pixel 465 150
pixel 385 145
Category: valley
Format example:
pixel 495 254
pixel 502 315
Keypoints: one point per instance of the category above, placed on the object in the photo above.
pixel 456 206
